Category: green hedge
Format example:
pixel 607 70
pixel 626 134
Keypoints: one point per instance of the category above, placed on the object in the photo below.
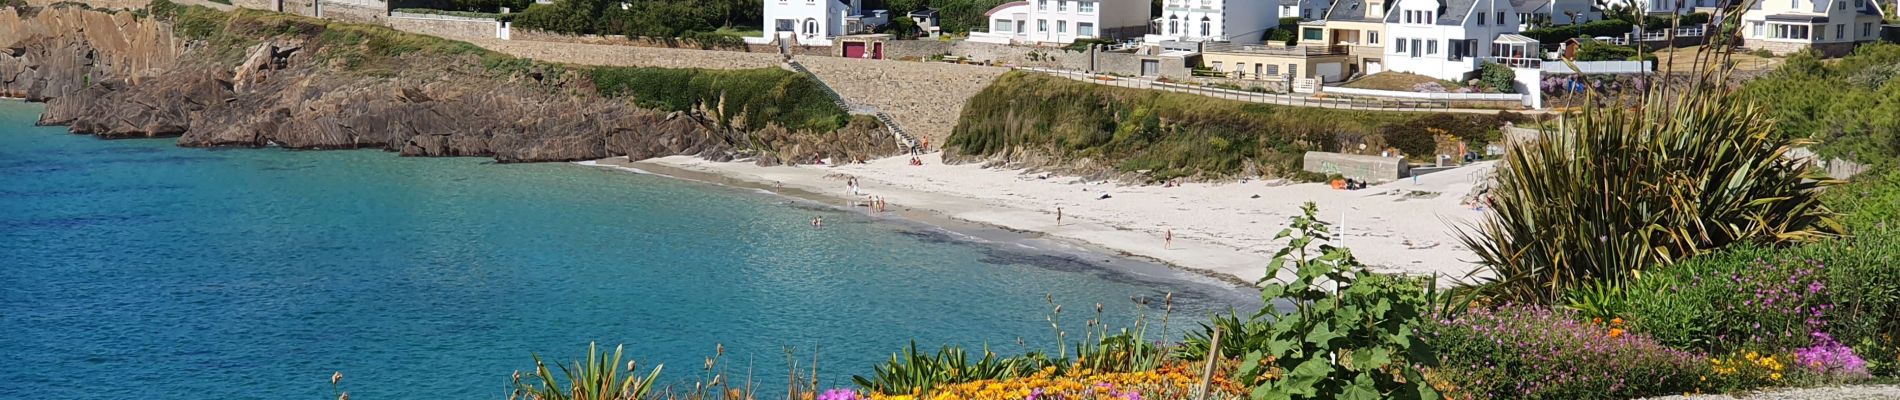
pixel 1558 34
pixel 758 95
pixel 1173 134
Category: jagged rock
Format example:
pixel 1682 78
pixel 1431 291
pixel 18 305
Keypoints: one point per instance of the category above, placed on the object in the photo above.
pixel 280 94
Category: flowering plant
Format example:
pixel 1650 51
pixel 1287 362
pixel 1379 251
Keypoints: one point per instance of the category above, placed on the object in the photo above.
pixel 1537 353
pixel 1828 359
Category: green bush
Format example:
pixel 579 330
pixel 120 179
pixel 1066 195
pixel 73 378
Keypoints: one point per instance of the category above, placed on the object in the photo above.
pixel 1741 300
pixel 1168 134
pixel 1619 191
pixel 1498 77
pixel 1592 50
pixel 1655 22
pixel 758 96
pixel 1851 106
pixel 1519 352
pixel 1559 34
pixel 1356 340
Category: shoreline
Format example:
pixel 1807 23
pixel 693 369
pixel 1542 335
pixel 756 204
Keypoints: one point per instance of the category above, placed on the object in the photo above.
pixel 1212 238
pixel 978 230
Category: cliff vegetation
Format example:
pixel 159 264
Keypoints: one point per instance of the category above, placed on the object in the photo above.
pixel 1045 121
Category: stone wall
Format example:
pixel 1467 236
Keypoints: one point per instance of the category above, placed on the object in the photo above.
pixel 444 27
pixel 270 5
pixel 925 99
pixel 1368 168
pixel 991 53
pixel 1840 49
pixel 1129 64
pixel 517 33
pixel 354 12
pixel 629 56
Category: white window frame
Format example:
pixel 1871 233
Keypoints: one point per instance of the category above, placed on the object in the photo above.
pixel 1085 29
pixel 1062 27
pixel 1062 5
pixel 1042 26
pixel 1085 7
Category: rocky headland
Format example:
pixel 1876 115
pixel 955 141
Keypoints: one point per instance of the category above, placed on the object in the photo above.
pixel 253 79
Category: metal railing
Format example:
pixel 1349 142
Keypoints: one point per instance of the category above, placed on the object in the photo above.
pixel 1517 62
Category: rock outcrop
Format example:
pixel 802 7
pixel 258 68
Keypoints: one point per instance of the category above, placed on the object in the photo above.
pixel 115 76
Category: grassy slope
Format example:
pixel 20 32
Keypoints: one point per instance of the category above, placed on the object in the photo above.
pixel 1170 134
pixel 758 97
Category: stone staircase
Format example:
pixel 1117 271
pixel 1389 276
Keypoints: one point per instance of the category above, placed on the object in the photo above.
pixel 904 139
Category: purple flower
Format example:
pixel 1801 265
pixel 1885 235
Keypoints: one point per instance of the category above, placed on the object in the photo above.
pixel 839 394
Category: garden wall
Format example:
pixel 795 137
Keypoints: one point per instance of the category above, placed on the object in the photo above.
pixel 1129 64
pixel 358 11
pixel 448 27
pixel 992 53
pixel 1370 168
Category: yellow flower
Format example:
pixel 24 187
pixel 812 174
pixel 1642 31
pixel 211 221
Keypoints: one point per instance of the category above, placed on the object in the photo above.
pixel 1775 376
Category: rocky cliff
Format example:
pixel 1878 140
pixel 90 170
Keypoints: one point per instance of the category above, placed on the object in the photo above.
pixel 290 82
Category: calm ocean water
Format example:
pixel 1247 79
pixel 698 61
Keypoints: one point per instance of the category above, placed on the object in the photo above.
pixel 136 269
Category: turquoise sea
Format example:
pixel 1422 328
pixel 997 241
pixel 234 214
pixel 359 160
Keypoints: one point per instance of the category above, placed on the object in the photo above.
pixel 137 269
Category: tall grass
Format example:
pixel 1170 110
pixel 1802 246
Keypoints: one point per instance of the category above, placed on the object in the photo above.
pixel 1615 191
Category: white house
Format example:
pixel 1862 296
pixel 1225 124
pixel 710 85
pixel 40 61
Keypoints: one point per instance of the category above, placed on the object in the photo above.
pixel 1305 9
pixel 1446 39
pixel 1833 27
pixel 1236 21
pixel 1532 13
pixel 814 22
pixel 1063 21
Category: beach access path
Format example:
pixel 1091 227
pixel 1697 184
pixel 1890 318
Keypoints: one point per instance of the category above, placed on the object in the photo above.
pixel 1224 230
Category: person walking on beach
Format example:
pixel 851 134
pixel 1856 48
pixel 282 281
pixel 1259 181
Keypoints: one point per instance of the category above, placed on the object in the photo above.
pixel 1058 216
pixel 1168 243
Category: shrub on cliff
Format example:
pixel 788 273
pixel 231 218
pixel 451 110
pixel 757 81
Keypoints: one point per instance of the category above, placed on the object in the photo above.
pixel 1025 115
pixel 754 97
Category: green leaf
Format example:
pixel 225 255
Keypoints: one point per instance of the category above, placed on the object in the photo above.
pixel 1279 348
pixel 1303 380
pixel 1249 365
pixel 1361 388
pixel 1322 335
pixel 1371 359
pixel 1270 391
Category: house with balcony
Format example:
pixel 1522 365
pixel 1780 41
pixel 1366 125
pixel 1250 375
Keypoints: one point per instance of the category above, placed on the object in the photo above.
pixel 1447 39
pixel 1832 27
pixel 1276 62
pixel 1237 21
pixel 1355 25
pixel 1305 9
pixel 815 22
pixel 1060 22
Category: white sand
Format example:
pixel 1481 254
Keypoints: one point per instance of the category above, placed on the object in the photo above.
pixel 1218 228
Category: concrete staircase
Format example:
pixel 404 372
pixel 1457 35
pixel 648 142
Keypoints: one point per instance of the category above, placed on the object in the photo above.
pixel 904 139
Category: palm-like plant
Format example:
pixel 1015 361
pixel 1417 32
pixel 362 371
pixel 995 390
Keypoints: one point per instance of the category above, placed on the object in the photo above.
pixel 1617 190
pixel 597 378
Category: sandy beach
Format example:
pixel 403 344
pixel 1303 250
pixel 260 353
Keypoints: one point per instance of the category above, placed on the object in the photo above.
pixel 1220 229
